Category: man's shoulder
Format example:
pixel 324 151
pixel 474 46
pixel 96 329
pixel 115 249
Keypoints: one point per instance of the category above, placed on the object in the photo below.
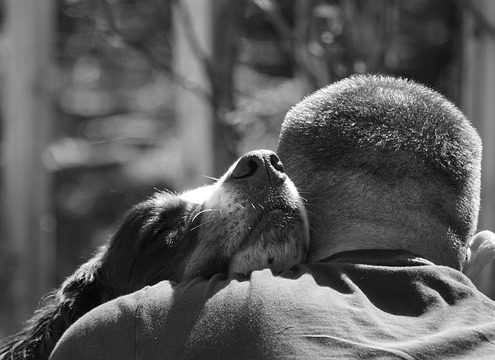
pixel 293 312
pixel 108 331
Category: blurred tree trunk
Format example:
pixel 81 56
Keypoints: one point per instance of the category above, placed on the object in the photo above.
pixel 195 114
pixel 479 103
pixel 28 125
pixel 205 54
pixel 227 18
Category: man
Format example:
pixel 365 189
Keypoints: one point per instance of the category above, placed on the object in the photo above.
pixel 391 172
pixel 393 164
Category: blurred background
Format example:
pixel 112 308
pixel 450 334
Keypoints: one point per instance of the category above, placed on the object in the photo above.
pixel 104 101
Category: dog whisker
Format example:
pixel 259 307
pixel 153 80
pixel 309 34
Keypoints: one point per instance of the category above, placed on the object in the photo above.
pixel 203 223
pixel 210 177
pixel 204 211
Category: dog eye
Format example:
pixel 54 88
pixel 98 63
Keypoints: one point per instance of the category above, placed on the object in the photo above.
pixel 169 233
pixel 165 221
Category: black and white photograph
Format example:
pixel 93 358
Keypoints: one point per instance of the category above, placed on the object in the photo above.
pixel 247 179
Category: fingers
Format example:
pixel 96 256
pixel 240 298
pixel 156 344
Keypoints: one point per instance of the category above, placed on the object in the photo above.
pixel 481 251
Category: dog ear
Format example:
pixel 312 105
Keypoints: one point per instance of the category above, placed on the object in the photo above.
pixel 480 253
pixel 150 245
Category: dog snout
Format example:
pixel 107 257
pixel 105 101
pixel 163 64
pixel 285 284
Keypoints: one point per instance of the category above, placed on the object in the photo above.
pixel 260 165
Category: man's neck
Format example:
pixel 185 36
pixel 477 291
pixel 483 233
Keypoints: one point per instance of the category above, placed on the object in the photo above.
pixel 363 235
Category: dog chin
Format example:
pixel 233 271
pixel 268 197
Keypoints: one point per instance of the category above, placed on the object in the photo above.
pixel 277 243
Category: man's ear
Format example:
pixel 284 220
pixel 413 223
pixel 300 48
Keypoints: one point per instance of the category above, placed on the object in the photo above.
pixel 480 252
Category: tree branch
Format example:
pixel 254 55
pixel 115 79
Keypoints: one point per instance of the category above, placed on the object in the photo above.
pixel 141 47
pixel 272 11
pixel 292 45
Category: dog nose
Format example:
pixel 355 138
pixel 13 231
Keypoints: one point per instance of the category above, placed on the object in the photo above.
pixel 260 165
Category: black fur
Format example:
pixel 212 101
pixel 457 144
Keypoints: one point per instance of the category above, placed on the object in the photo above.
pixel 144 251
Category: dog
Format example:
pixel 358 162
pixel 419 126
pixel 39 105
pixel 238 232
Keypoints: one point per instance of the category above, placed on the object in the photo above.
pixel 251 218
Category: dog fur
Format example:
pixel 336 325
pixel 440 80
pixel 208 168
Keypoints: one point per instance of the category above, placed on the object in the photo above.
pixel 251 218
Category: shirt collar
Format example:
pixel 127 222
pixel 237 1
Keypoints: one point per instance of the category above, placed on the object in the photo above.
pixel 378 257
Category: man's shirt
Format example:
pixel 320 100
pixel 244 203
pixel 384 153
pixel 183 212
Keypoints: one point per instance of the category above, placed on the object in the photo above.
pixel 366 304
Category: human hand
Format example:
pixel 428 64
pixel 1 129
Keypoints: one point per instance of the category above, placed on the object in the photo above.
pixel 481 252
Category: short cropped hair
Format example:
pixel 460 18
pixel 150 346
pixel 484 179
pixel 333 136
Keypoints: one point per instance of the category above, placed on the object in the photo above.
pixel 392 130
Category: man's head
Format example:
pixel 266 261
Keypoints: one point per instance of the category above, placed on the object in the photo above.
pixel 384 163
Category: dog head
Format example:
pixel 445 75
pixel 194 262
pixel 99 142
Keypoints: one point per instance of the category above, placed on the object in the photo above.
pixel 251 218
